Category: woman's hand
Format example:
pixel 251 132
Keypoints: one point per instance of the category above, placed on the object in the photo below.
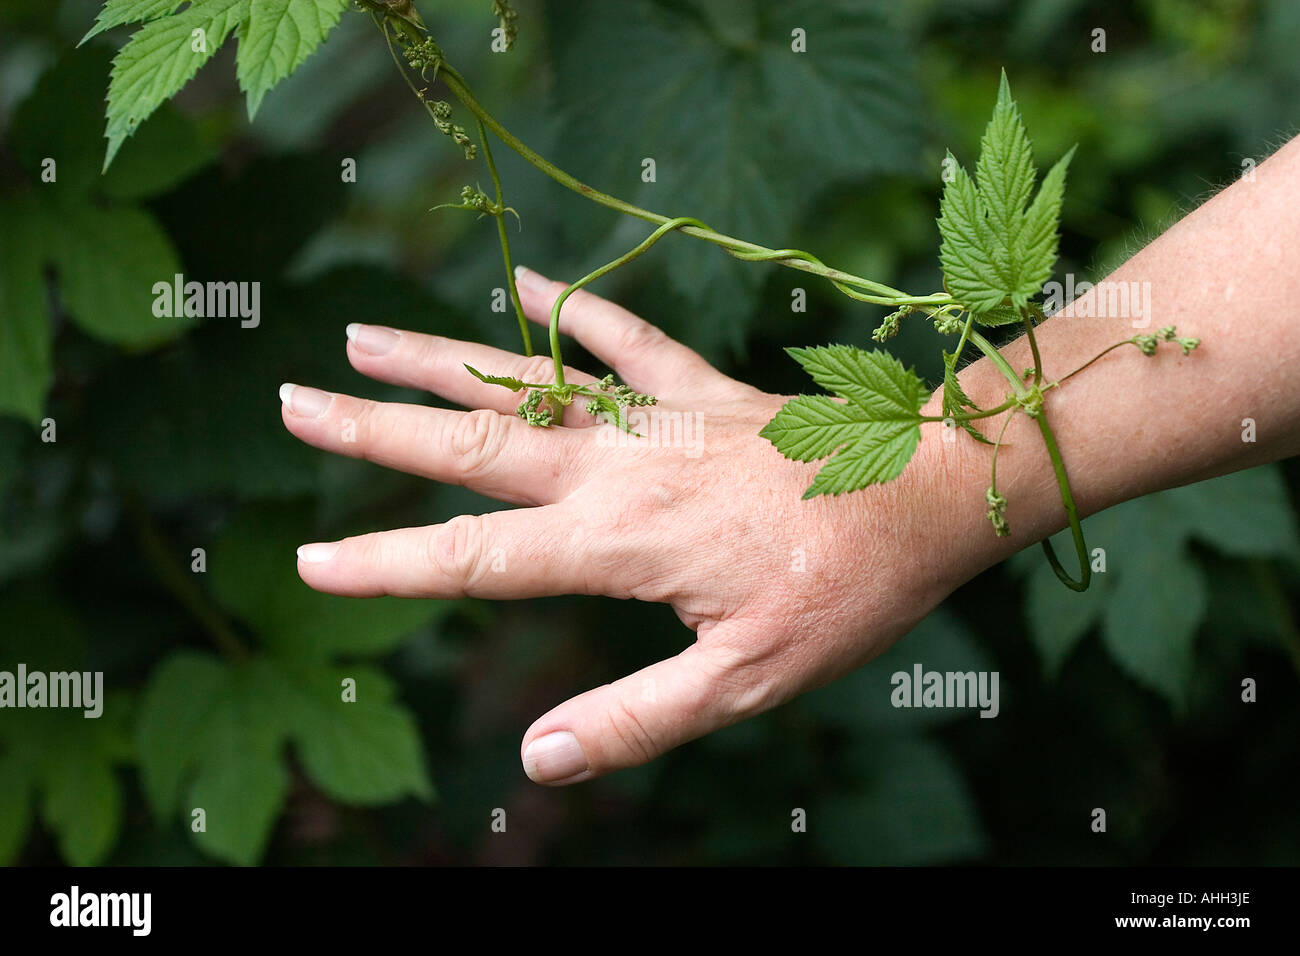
pixel 701 513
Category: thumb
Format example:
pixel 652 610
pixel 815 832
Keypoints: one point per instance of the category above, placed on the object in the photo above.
pixel 632 721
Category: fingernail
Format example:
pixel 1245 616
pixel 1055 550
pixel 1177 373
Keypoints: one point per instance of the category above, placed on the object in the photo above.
pixel 373 339
pixel 307 402
pixel 555 757
pixel 318 553
pixel 529 280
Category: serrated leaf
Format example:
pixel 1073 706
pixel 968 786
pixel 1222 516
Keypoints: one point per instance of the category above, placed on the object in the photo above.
pixel 812 427
pixel 878 455
pixel 1005 169
pixel 160 58
pixel 277 37
pixel 955 399
pixel 1035 246
pixel 992 248
pixel 966 249
pixel 878 428
pixel 509 381
pixel 117 13
pixel 874 381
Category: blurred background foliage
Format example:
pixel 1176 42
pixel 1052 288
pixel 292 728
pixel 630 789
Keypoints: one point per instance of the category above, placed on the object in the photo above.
pixel 169 439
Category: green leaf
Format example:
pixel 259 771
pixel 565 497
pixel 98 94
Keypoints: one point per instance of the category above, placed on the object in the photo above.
pixel 219 732
pixel 366 751
pixel 83 805
pixel 277 37
pixel 812 427
pixel 1152 598
pixel 240 780
pixel 849 107
pixel 1035 245
pixel 61 757
pixel 1000 315
pixel 119 12
pixel 1005 170
pixel 967 250
pixel 911 808
pixel 514 384
pixel 253 572
pixel 165 152
pixel 1150 621
pixel 955 399
pixel 180 694
pixel 109 260
pixel 25 337
pixel 992 248
pixel 878 428
pixel 160 58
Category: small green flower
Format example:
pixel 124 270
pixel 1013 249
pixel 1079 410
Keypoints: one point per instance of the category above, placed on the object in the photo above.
pixel 997 512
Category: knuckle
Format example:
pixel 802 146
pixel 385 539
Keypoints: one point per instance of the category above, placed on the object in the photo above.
pixel 475 441
pixel 535 369
pixel 638 337
pixel 623 724
pixel 455 550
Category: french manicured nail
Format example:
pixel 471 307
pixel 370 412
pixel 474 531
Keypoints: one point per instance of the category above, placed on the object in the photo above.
pixel 373 339
pixel 529 280
pixel 555 757
pixel 307 402
pixel 318 553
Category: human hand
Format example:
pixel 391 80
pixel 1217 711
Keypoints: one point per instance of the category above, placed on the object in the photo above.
pixel 783 594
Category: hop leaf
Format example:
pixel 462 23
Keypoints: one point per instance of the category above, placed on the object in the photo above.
pixel 872 434
pixel 275 37
pixel 993 249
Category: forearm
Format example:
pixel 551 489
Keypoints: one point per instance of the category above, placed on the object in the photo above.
pixel 1229 274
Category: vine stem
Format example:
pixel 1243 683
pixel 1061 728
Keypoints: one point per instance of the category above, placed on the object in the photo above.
pixel 881 293
pixel 1104 352
pixel 1058 466
pixel 504 236
pixel 670 226
pixel 1072 513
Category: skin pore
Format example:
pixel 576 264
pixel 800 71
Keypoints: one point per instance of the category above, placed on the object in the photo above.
pixel 713 533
